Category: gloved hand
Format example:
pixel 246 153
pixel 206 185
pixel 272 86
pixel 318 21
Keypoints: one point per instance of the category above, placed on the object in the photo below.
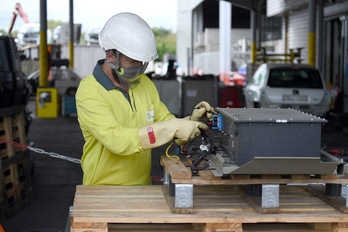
pixel 159 133
pixel 202 110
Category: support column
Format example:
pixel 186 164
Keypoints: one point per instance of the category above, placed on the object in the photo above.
pixel 43 53
pixel 253 37
pixel 71 26
pixel 225 39
pixel 311 32
pixel 321 36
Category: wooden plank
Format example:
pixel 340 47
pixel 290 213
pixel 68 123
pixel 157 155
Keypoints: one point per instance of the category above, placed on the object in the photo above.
pixel 208 175
pixel 18 122
pixel 8 136
pixel 337 202
pixel 289 227
pixel 223 227
pixel 219 227
pixel 175 168
pixel 89 226
pixel 215 204
pixel 340 227
pixel 187 227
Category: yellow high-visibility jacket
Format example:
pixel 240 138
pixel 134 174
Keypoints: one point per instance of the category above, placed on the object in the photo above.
pixel 109 119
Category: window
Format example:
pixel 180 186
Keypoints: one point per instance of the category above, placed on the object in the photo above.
pixel 295 78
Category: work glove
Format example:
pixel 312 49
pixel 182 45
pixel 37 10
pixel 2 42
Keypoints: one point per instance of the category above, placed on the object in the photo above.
pixel 202 111
pixel 159 133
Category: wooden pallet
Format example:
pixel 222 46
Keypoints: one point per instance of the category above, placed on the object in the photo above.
pixel 217 208
pixel 15 172
pixel 180 179
pixel 180 172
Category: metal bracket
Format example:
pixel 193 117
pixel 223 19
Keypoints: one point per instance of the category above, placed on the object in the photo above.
pixel 166 177
pixel 183 195
pixel 270 196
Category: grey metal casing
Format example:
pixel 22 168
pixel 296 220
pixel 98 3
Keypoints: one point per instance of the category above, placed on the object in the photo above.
pixel 249 133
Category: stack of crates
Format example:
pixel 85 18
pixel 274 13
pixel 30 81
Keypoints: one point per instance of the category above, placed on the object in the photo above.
pixel 15 163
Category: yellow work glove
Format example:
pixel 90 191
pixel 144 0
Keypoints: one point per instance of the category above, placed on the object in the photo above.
pixel 159 133
pixel 201 111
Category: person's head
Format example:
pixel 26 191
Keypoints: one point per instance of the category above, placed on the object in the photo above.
pixel 129 44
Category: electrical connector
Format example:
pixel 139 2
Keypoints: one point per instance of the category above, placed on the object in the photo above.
pixel 217 122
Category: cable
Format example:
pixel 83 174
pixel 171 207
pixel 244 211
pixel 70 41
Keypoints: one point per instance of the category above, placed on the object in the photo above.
pixel 171 157
pixel 23 146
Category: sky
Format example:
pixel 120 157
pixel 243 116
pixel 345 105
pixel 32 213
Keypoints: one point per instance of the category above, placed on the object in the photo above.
pixel 157 13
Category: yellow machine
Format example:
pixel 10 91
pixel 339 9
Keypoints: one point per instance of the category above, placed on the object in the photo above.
pixel 47 103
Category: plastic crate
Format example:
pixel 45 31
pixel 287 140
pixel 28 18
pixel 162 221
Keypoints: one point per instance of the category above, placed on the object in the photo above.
pixel 69 105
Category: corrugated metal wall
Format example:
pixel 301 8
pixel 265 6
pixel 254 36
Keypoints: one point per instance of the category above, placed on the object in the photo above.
pixel 279 7
pixel 297 25
pixel 298 32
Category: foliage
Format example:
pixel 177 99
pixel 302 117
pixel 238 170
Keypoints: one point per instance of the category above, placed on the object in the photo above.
pixel 52 24
pixel 166 42
pixel 3 32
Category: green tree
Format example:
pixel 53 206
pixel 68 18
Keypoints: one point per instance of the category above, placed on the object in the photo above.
pixel 166 42
pixel 52 24
pixel 3 32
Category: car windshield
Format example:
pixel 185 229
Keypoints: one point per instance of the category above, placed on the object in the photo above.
pixel 294 78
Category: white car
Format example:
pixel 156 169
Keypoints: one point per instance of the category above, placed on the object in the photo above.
pixel 29 34
pixel 286 85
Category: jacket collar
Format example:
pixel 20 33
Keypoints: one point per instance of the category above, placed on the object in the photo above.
pixel 101 77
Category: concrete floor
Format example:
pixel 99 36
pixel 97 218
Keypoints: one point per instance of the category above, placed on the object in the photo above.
pixel 54 180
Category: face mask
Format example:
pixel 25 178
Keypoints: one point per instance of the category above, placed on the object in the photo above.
pixel 131 74
pixel 128 75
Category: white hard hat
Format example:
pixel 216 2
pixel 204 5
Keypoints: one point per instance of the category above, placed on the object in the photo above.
pixel 130 35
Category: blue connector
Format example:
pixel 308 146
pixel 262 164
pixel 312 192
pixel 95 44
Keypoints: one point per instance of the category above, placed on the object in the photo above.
pixel 217 122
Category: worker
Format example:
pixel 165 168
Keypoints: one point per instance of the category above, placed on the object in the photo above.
pixel 120 112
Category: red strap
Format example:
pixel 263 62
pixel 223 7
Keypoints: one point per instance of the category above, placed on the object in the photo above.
pixel 151 134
